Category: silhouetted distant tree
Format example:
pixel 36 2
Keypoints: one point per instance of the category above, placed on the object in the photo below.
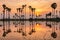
pixel 49 14
pixel 54 5
pixel 30 11
pixel 9 10
pixel 18 11
pixel 59 13
pixel 33 11
pixel 6 12
pixel 24 6
pixel 4 7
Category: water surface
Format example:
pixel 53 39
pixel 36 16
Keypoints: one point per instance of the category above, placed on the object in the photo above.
pixel 26 30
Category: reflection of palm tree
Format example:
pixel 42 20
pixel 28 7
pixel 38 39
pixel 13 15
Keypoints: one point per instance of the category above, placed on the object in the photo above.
pixel 4 7
pixel 23 29
pixel 24 34
pixel 54 34
pixel 54 5
pixel 32 30
pixel 9 30
pixel 19 29
pixel 4 33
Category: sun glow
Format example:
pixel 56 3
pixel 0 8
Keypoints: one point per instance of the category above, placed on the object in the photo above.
pixel 38 12
pixel 39 27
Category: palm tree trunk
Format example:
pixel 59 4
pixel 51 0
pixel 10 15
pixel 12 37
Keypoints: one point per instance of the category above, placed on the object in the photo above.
pixel 3 14
pixel 6 14
pixel 25 12
pixel 9 15
pixel 54 13
pixel 19 15
pixel 32 15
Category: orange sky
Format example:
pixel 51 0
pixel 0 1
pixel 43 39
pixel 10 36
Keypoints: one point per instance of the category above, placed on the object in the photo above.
pixel 42 6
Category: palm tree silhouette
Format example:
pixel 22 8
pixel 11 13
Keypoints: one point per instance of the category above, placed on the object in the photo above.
pixel 18 11
pixel 54 5
pixel 59 14
pixel 4 7
pixel 9 10
pixel 24 6
pixel 32 9
pixel 25 11
pixel 6 12
pixel 29 11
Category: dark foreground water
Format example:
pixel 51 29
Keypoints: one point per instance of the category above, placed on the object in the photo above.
pixel 25 30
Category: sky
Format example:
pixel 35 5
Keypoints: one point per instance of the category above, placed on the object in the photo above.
pixel 42 6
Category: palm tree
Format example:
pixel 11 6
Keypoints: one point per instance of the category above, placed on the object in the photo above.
pixel 30 9
pixel 19 11
pixel 4 7
pixel 59 14
pixel 24 6
pixel 25 11
pixel 9 10
pixel 54 5
pixel 6 12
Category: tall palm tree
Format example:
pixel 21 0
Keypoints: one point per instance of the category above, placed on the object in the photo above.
pixel 4 7
pixel 9 10
pixel 6 12
pixel 34 10
pixel 19 12
pixel 24 6
pixel 25 11
pixel 30 10
pixel 54 5
pixel 59 14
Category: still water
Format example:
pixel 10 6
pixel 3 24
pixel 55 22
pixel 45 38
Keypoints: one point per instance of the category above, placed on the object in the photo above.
pixel 26 30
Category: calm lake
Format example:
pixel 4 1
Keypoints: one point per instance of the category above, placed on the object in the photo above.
pixel 26 30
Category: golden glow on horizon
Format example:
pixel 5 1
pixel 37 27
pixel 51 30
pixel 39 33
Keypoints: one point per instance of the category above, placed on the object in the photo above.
pixel 38 12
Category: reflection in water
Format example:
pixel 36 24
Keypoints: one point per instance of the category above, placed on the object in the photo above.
pixel 30 30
